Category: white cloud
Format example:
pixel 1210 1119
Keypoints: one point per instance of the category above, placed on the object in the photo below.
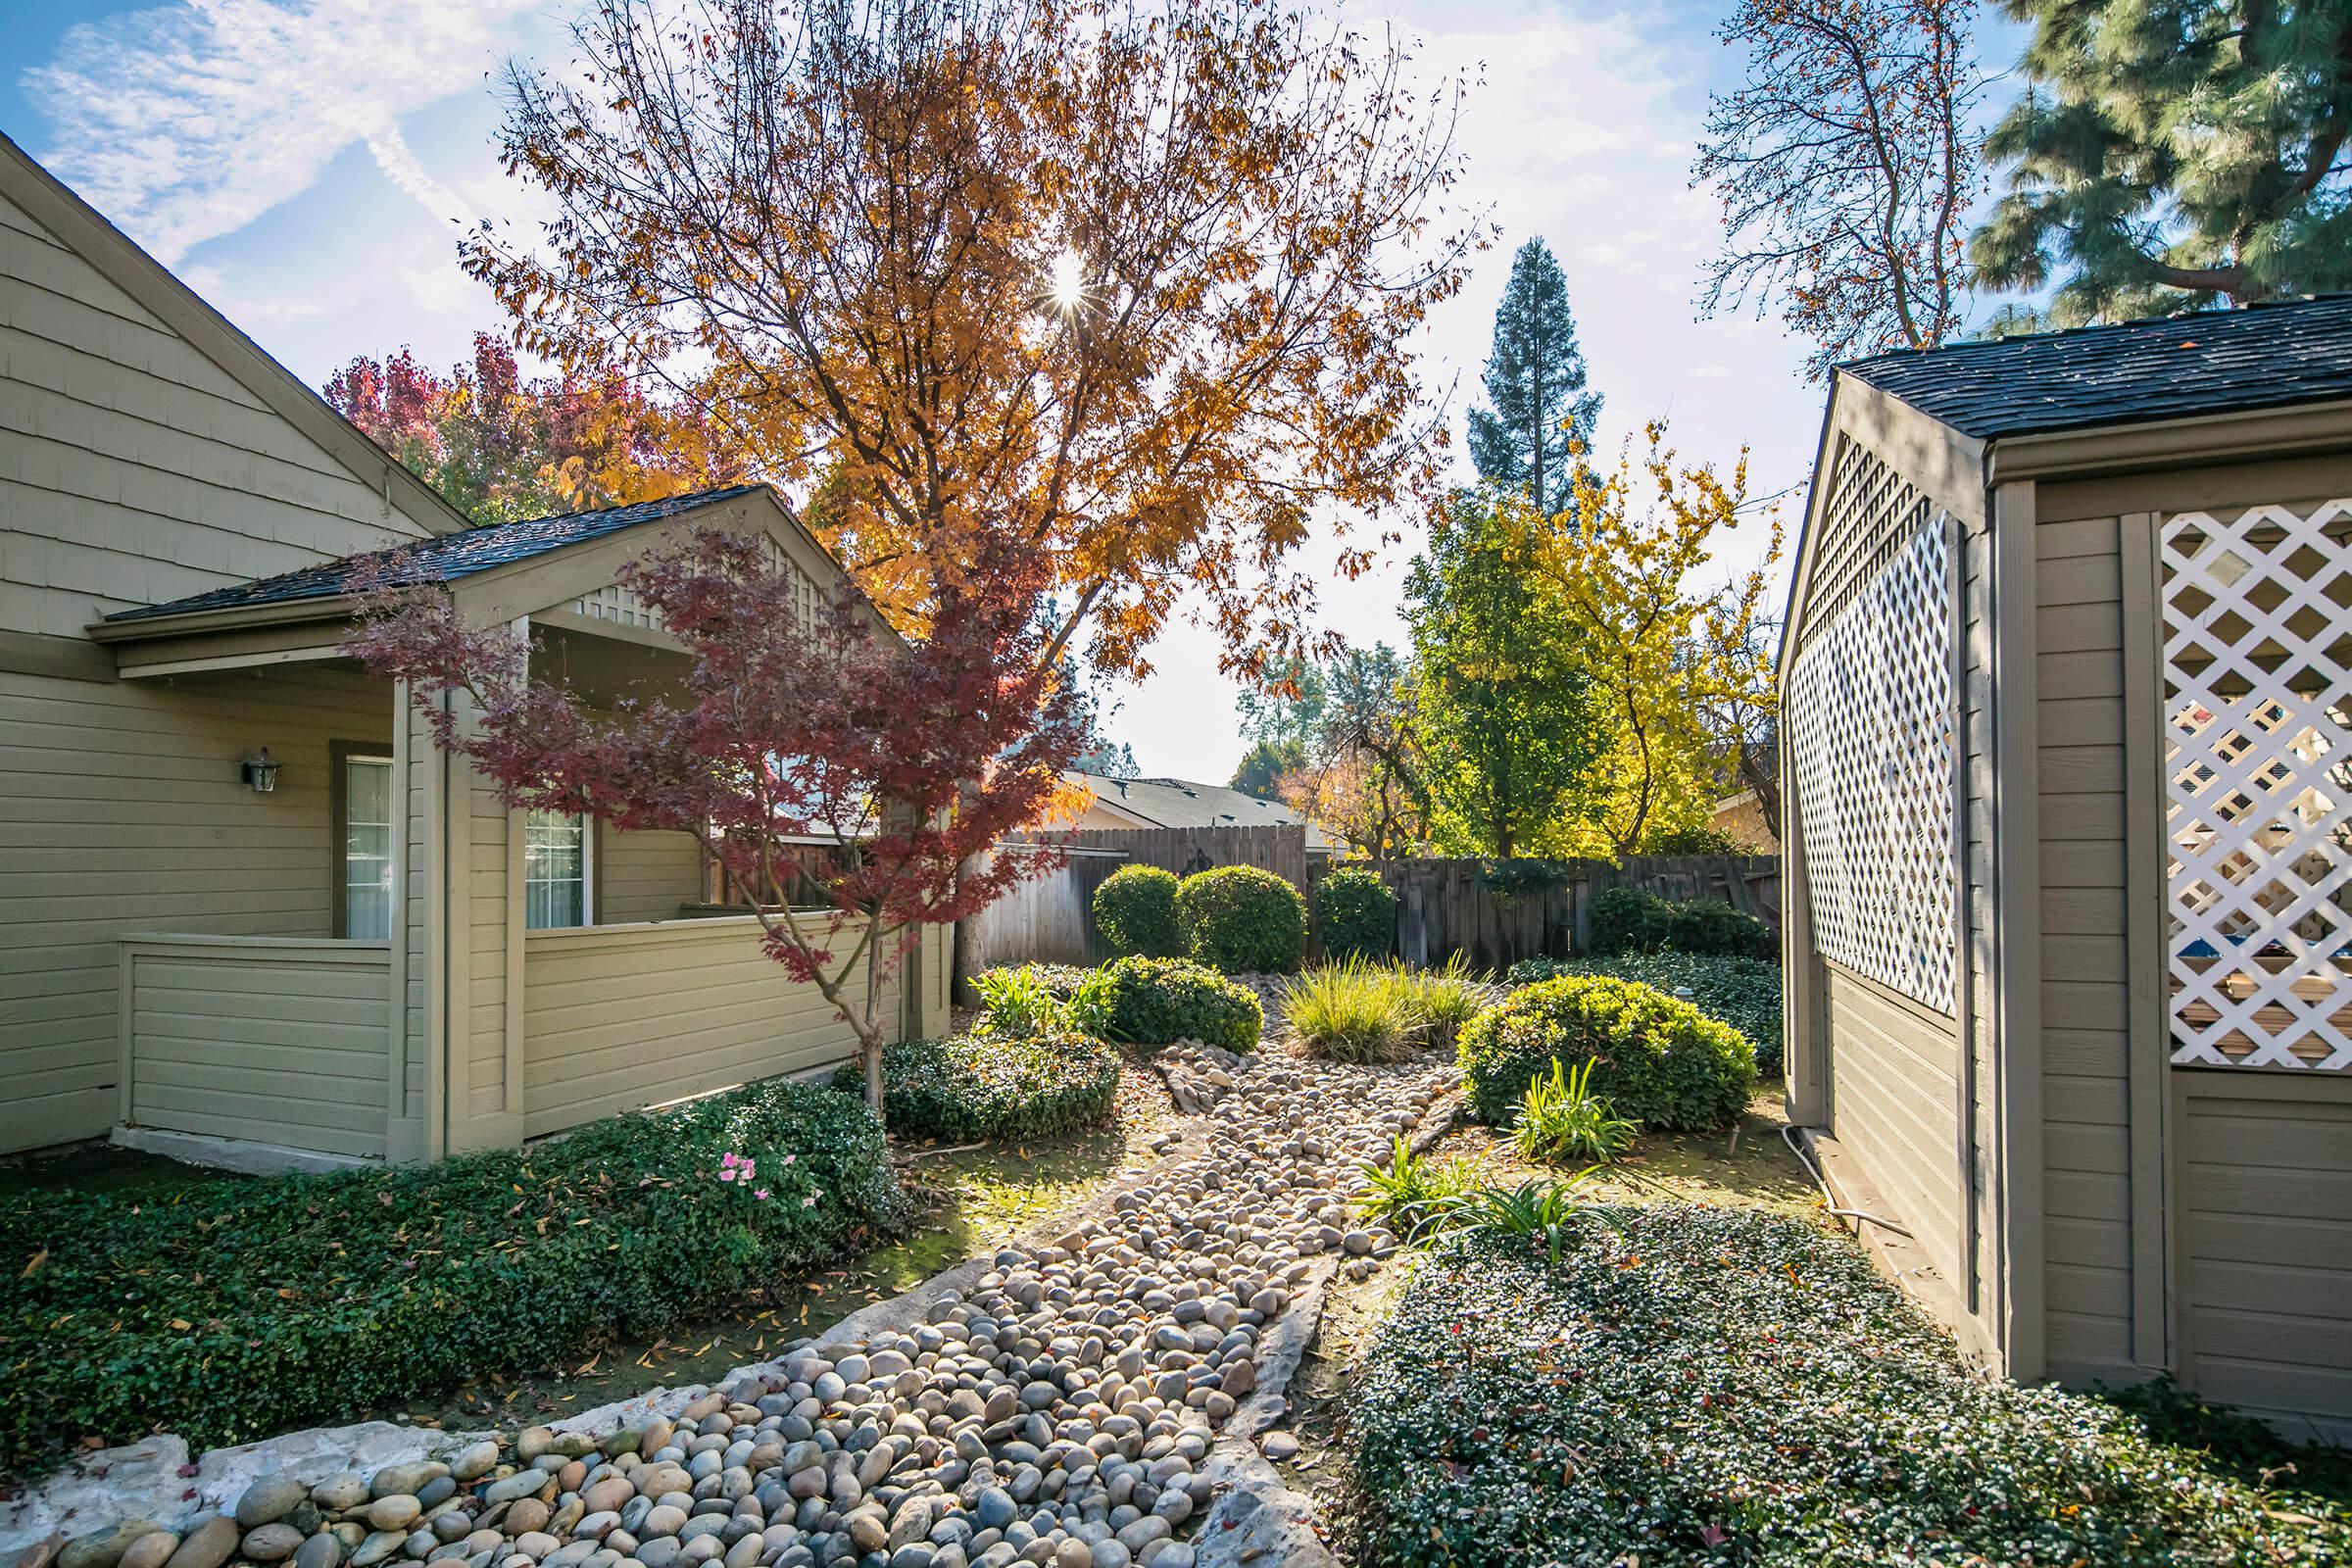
pixel 187 122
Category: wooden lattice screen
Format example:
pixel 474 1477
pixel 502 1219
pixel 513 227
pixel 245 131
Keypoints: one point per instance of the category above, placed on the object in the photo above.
pixel 1872 721
pixel 2258 771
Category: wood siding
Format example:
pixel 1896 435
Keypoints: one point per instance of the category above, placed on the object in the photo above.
pixel 1895 1080
pixel 122 811
pixel 2265 1240
pixel 133 468
pixel 645 876
pixel 615 1018
pixel 274 1040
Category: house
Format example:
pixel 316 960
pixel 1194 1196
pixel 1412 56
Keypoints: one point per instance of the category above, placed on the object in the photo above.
pixel 1742 819
pixel 2067 723
pixel 246 908
pixel 1180 802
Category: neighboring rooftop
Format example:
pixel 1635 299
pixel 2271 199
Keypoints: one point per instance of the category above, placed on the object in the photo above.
pixel 2207 361
pixel 1181 803
pixel 444 559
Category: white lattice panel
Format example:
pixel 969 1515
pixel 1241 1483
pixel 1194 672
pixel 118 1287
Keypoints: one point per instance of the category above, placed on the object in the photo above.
pixel 618 604
pixel 2258 770
pixel 1873 721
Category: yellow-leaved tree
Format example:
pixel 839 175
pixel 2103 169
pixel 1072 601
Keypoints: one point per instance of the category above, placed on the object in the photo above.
pixel 1666 653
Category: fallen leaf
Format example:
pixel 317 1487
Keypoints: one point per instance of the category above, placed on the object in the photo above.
pixel 39 1259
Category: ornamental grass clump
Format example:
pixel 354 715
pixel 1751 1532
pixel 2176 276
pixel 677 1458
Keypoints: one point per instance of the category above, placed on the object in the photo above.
pixel 1660 1061
pixel 231 1308
pixel 1242 920
pixel 1356 1011
pixel 1703 1388
pixel 1742 992
pixel 1450 995
pixel 1157 1002
pixel 1000 1087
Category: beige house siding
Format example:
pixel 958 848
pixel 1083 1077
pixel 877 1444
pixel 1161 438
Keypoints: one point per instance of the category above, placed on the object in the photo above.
pixel 622 1017
pixel 133 468
pixel 122 812
pixel 645 876
pixel 1896 1087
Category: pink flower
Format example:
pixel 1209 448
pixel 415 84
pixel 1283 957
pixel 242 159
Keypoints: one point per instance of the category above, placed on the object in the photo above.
pixel 762 1195
pixel 726 1173
pixel 809 1202
pixel 789 1158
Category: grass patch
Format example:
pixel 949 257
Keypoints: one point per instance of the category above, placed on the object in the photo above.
pixel 236 1307
pixel 1692 1385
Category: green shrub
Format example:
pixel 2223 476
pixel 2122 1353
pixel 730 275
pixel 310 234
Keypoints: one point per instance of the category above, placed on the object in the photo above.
pixel 1744 993
pixel 997 1086
pixel 1157 1002
pixel 1135 910
pixel 1242 920
pixel 1356 1011
pixel 1698 1387
pixel 1561 1120
pixel 231 1308
pixel 1658 1060
pixel 1630 920
pixel 1356 913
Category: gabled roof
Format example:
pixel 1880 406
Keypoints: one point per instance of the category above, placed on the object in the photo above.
pixel 2207 361
pixel 1181 803
pixel 85 231
pixel 446 559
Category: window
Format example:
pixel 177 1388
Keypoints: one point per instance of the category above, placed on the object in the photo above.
pixel 366 884
pixel 555 870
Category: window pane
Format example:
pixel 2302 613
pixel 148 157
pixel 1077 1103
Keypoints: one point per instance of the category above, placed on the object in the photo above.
pixel 367 848
pixel 555 870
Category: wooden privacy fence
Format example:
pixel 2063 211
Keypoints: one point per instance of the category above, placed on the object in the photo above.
pixel 1454 906
pixel 1443 906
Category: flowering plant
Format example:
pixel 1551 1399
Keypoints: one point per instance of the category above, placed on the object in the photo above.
pixel 791 1180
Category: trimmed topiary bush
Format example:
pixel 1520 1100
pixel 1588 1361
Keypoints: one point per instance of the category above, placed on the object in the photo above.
pixel 1242 920
pixel 1658 1060
pixel 1157 1002
pixel 1630 920
pixel 1356 913
pixel 1700 1388
pixel 1744 993
pixel 1135 910
pixel 235 1307
pixel 997 1086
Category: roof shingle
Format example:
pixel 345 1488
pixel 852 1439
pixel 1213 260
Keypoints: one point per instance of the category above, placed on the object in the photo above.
pixel 2208 362
pixel 445 559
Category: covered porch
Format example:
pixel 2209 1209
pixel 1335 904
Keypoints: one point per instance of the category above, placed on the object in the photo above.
pixel 434 972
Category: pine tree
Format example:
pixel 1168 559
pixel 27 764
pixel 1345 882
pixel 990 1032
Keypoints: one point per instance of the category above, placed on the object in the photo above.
pixel 1536 383
pixel 2171 154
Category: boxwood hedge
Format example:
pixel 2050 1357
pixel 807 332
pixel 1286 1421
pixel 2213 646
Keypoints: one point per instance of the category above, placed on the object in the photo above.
pixel 1356 913
pixel 1242 920
pixel 1742 992
pixel 1656 1060
pixel 993 1086
pixel 1135 910
pixel 1157 1002
pixel 1701 1387
pixel 225 1309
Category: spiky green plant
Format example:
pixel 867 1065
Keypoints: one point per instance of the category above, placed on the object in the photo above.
pixel 1449 996
pixel 1545 1208
pixel 1356 1011
pixel 1561 1120
pixel 1401 1194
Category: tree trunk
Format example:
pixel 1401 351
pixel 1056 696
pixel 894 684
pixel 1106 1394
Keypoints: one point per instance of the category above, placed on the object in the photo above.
pixel 870 1043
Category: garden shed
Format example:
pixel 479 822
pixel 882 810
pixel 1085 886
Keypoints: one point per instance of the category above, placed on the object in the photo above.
pixel 2068 729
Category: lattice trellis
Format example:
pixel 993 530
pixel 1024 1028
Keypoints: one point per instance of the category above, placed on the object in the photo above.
pixel 1873 721
pixel 621 606
pixel 2258 770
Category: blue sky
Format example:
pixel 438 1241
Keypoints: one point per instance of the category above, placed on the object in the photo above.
pixel 303 162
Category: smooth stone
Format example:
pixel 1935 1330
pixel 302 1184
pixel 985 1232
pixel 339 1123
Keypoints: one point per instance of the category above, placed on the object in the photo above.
pixel 341 1493
pixel 398 1511
pixel 321 1550
pixel 533 1442
pixel 374 1550
pixel 475 1462
pixel 266 1502
pixel 271 1543
pixel 151 1550
pixel 208 1546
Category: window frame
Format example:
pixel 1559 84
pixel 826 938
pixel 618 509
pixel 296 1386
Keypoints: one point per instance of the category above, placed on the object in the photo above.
pixel 340 756
pixel 588 868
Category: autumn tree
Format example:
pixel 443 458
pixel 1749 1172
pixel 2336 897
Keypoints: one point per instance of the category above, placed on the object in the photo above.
pixel 1137 285
pixel 2168 156
pixel 1845 163
pixel 499 446
pixel 906 759
pixel 1538 409
pixel 1504 716
pixel 1362 774
pixel 1662 654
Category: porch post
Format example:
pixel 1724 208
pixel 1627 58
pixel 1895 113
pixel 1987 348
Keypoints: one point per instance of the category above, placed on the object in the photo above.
pixel 481 909
pixel 404 1128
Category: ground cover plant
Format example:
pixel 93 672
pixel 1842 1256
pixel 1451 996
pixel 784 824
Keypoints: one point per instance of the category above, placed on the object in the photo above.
pixel 1742 992
pixel 1157 1002
pixel 233 1307
pixel 1658 1060
pixel 1352 1010
pixel 1135 910
pixel 989 1085
pixel 1242 920
pixel 1692 1385
pixel 1356 913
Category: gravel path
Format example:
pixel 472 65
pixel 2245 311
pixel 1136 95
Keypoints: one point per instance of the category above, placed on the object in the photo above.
pixel 1058 1412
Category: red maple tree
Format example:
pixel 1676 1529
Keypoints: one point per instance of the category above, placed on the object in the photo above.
pixel 902 761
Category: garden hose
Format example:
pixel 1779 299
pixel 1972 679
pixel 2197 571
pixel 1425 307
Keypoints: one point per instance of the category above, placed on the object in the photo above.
pixel 1788 1137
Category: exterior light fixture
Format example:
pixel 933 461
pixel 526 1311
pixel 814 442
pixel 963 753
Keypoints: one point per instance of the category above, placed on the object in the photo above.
pixel 259 771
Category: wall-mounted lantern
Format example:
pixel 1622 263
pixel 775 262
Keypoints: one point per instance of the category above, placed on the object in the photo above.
pixel 259 771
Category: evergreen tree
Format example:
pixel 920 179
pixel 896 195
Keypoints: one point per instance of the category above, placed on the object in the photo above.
pixel 2172 155
pixel 1536 385
pixel 1262 769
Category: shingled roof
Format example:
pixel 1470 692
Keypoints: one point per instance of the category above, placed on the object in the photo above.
pixel 2208 362
pixel 446 559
